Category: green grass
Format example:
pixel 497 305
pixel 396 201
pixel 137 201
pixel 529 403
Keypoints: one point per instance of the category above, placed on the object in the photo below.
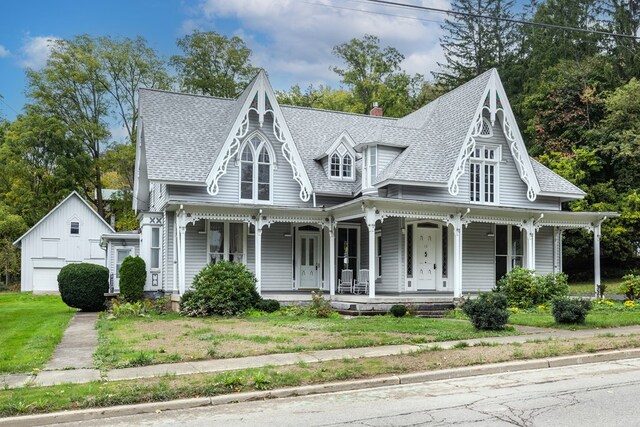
pixel 30 328
pixel 587 287
pixel 601 316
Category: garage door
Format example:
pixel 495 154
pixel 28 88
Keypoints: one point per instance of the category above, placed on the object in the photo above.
pixel 45 279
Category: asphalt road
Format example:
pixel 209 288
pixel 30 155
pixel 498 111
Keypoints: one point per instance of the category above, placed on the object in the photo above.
pixel 603 394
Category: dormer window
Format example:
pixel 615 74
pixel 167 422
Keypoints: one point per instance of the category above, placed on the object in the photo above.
pixel 256 170
pixel 341 164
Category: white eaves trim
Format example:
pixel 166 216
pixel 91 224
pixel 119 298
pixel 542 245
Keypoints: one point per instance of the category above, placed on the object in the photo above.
pixel 73 193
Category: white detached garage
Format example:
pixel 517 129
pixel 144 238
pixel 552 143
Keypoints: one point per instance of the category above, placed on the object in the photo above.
pixel 69 233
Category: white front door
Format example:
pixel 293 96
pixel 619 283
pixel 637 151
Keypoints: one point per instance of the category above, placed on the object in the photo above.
pixel 121 254
pixel 309 268
pixel 426 258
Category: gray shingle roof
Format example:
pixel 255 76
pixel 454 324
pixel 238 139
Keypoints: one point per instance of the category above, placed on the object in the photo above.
pixel 550 182
pixel 184 134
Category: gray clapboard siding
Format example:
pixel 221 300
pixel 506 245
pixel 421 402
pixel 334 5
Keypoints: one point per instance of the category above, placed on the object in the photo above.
pixel 195 250
pixel 277 274
pixel 478 258
pixel 386 155
pixel 544 250
pixel 512 191
pixel 391 250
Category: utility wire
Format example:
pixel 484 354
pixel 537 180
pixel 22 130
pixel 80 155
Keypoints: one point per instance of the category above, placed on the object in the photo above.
pixel 511 20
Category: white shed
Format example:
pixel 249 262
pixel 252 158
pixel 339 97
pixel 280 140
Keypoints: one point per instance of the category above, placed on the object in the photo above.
pixel 69 233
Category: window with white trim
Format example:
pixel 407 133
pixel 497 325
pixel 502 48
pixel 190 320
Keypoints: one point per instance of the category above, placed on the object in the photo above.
pixel 341 164
pixel 226 241
pixel 372 153
pixel 155 248
pixel 483 174
pixel 256 170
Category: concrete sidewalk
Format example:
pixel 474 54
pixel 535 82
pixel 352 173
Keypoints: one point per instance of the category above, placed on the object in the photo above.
pixel 51 377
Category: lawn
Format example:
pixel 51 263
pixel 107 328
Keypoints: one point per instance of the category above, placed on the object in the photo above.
pixel 30 328
pixel 29 400
pixel 587 287
pixel 127 342
pixel 606 314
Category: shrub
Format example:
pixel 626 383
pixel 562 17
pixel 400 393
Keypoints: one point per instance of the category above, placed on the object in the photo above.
pixel 121 308
pixel 83 286
pixel 133 275
pixel 524 290
pixel 567 310
pixel 488 311
pixel 630 286
pixel 223 288
pixel 319 306
pixel 398 310
pixel 192 305
pixel 268 305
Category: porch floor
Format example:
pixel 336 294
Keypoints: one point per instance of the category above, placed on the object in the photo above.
pixel 380 298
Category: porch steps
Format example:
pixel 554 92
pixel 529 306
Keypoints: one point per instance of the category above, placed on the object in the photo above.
pixel 430 310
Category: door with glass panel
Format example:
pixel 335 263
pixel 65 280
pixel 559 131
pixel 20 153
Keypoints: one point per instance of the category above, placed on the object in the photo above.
pixel 347 250
pixel 309 268
pixel 121 254
pixel 509 249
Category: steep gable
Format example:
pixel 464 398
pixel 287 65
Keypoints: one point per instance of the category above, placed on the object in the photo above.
pixel 260 98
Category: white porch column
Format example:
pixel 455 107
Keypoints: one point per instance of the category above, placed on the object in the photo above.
pixel 530 230
pixel 258 244
pixel 557 250
pixel 457 255
pixel 182 229
pixel 370 219
pixel 332 258
pixel 597 231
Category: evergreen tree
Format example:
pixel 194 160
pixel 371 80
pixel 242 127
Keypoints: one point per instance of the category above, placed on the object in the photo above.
pixel 473 44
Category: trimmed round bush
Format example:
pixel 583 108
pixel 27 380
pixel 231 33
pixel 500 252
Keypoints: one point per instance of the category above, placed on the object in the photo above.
pixel 268 305
pixel 83 286
pixel 133 275
pixel 571 311
pixel 224 288
pixel 488 311
pixel 398 310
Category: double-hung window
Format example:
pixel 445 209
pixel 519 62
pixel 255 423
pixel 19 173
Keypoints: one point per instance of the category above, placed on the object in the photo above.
pixel 372 152
pixel 155 248
pixel 483 174
pixel 256 171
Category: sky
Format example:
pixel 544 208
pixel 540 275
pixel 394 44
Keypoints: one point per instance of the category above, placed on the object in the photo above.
pixel 291 39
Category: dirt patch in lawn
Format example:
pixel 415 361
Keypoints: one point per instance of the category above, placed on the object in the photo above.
pixel 150 341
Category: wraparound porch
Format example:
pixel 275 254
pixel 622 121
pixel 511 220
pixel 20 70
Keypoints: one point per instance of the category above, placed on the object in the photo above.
pixel 406 248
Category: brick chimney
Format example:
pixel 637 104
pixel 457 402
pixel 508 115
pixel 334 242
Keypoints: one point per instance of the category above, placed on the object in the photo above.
pixel 376 111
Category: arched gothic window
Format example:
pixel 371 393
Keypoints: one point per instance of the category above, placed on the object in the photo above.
pixel 256 170
pixel 335 166
pixel 341 165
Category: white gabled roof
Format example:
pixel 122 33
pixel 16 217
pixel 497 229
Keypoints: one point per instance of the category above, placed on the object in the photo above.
pixel 72 194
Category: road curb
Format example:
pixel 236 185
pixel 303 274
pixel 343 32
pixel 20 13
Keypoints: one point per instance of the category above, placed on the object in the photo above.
pixel 413 378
